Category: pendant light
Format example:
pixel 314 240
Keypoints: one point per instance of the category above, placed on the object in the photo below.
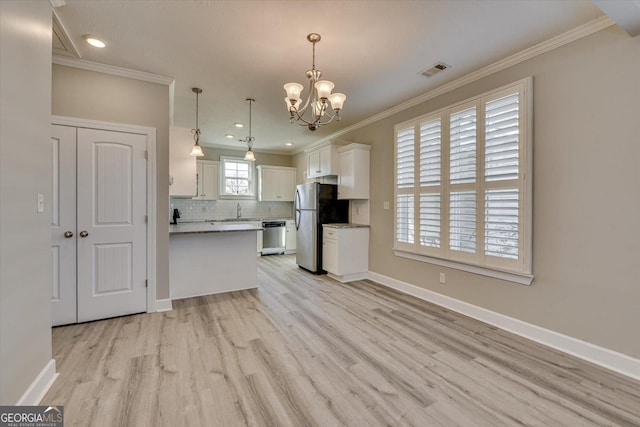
pixel 196 151
pixel 249 155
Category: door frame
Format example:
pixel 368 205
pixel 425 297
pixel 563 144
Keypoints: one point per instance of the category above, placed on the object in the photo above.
pixel 150 133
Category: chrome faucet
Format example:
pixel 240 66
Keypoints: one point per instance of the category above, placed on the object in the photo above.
pixel 238 211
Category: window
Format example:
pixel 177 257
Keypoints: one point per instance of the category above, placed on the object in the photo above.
pixel 237 178
pixel 463 185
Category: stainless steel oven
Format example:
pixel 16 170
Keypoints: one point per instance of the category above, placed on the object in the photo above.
pixel 273 237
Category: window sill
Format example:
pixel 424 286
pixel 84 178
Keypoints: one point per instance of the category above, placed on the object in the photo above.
pixel 237 197
pixel 520 278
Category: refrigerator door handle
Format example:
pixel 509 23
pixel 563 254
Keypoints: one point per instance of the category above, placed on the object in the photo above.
pixel 297 207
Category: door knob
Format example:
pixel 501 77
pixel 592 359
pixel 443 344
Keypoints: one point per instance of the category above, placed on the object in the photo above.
pixel 83 233
pixel 68 234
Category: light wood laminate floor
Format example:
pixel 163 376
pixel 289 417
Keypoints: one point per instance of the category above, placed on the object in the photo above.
pixel 305 350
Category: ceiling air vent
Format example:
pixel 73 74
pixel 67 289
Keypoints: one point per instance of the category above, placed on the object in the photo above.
pixel 434 69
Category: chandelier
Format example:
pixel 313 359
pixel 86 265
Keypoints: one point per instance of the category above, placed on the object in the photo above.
pixel 249 155
pixel 315 111
pixel 196 151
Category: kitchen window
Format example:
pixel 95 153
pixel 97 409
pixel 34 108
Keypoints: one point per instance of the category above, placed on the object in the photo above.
pixel 463 185
pixel 236 178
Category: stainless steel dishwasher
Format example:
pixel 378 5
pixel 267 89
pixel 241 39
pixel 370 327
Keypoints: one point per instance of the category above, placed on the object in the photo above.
pixel 273 237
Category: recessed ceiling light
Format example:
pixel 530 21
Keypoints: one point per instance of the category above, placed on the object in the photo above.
pixel 229 136
pixel 238 125
pixel 94 41
pixel 289 144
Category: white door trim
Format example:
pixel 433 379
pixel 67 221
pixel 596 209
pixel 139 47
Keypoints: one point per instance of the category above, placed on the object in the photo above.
pixel 151 187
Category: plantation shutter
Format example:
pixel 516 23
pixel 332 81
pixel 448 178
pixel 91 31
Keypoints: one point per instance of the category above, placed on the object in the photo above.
pixel 502 170
pixel 463 184
pixel 430 137
pixel 462 171
pixel 501 223
pixel 430 182
pixel 404 218
pixel 405 182
pixel 405 157
pixel 502 130
pixel 462 155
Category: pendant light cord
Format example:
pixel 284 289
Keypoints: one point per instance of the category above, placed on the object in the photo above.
pixel 197 109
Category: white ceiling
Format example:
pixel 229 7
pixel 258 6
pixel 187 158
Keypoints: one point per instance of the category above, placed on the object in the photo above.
pixel 372 50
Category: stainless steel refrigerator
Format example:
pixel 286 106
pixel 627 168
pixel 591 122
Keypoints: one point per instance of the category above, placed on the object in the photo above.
pixel 316 204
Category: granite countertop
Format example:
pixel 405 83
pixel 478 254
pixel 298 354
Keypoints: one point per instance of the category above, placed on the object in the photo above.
pixel 345 225
pixel 242 219
pixel 208 227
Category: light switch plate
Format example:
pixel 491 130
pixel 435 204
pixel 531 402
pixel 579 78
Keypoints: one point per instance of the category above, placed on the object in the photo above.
pixel 385 205
pixel 40 203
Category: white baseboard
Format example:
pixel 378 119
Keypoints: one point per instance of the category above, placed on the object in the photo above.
pixel 164 305
pixel 345 278
pixel 618 362
pixel 39 387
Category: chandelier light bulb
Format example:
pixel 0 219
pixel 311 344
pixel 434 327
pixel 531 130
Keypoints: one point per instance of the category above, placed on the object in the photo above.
pixel 324 88
pixel 337 99
pixel 294 91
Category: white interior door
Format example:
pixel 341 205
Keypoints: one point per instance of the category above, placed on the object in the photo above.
pixel 63 225
pixel 111 224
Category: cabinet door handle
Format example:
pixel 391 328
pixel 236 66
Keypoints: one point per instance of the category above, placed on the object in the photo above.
pixel 68 234
pixel 83 233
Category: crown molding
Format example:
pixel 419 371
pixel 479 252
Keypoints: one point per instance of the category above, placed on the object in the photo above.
pixel 553 43
pixel 111 69
pixel 61 32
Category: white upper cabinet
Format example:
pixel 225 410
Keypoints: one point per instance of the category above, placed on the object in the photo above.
pixel 182 165
pixel 276 183
pixel 207 171
pixel 323 160
pixel 353 173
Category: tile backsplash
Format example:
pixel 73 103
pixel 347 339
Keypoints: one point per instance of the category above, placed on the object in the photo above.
pixel 205 210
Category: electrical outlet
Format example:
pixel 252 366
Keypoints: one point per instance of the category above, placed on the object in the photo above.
pixel 385 205
pixel 442 278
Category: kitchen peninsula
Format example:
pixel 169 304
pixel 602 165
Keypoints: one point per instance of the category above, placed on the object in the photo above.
pixel 206 258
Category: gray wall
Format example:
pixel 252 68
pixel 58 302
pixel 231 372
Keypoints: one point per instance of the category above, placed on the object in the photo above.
pixel 97 96
pixel 25 171
pixel 586 241
pixel 270 159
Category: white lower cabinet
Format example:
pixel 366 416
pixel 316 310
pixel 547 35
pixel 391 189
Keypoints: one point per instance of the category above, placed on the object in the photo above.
pixel 290 241
pixel 345 252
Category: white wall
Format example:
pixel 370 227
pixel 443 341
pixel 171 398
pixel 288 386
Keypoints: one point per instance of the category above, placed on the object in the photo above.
pixel 586 205
pixel 25 171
